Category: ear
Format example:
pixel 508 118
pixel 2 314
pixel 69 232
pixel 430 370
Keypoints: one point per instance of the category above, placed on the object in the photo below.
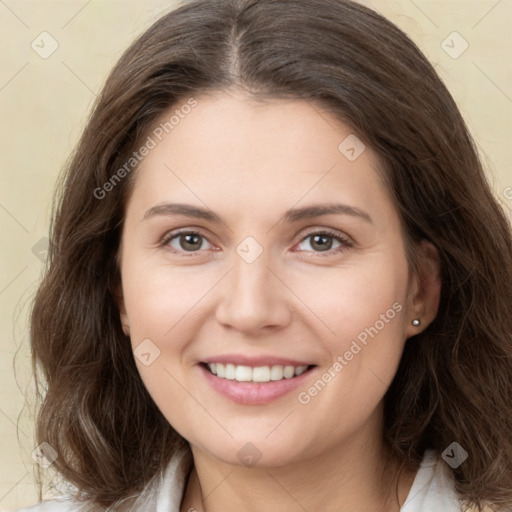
pixel 425 288
pixel 117 292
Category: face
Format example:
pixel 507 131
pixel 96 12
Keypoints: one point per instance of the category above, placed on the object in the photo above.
pixel 257 248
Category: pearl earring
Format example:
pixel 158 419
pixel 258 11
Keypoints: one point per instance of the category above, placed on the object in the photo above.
pixel 416 322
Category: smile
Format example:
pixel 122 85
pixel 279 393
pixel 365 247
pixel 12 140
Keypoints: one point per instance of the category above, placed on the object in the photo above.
pixel 242 373
pixel 258 384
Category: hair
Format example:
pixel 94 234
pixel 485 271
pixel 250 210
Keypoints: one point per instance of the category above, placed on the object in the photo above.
pixel 454 381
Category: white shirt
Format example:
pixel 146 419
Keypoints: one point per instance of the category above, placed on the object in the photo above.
pixel 432 491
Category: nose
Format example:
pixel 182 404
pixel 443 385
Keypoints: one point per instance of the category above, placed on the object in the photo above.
pixel 254 298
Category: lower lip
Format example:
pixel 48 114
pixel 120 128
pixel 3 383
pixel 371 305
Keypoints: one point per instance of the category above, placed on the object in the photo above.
pixel 254 393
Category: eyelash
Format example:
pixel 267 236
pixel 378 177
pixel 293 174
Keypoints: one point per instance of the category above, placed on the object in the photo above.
pixel 344 240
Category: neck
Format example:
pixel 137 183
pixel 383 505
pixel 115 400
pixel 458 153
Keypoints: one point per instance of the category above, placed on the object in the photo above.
pixel 355 475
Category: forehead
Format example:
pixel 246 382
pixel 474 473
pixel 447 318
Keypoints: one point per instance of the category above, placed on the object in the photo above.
pixel 251 152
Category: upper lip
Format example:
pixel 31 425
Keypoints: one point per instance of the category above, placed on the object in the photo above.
pixel 239 360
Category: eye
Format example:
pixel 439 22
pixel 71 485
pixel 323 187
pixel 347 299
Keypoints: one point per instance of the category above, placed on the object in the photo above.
pixel 185 241
pixel 325 241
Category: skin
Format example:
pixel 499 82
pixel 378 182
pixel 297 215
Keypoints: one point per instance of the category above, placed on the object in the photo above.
pixel 249 162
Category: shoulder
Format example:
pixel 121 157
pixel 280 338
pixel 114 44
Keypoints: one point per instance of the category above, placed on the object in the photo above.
pixel 163 493
pixel 433 488
pixel 56 505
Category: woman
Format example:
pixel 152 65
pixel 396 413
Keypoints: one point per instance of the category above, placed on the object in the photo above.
pixel 278 278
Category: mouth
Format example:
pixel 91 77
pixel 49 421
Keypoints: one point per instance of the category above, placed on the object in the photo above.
pixel 256 374
pixel 255 379
pixel 255 385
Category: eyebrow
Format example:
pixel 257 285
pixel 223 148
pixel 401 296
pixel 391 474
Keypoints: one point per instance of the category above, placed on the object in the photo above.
pixel 292 215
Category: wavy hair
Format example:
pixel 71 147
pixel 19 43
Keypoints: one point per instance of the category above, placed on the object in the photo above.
pixel 454 381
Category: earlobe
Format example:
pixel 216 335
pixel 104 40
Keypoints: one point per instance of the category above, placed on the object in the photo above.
pixel 117 294
pixel 124 320
pixel 124 324
pixel 425 290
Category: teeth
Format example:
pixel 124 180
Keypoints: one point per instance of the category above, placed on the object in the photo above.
pixel 300 370
pixel 258 374
pixel 276 372
pixel 230 372
pixel 261 374
pixel 288 372
pixel 243 373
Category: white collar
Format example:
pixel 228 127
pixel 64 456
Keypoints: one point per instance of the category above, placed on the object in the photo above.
pixel 173 484
pixel 432 488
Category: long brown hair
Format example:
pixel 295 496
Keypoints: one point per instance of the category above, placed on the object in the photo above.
pixel 454 382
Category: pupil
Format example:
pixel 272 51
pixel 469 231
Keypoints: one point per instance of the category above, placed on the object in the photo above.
pixel 323 242
pixel 190 242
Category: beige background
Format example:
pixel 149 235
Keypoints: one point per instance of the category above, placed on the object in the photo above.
pixel 44 103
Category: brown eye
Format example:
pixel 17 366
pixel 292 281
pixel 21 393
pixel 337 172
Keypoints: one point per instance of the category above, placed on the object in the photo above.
pixel 186 241
pixel 321 242
pixel 324 242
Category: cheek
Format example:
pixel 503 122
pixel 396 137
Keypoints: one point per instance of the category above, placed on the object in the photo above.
pixel 348 300
pixel 163 307
pixel 365 309
pixel 158 299
pixel 160 309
